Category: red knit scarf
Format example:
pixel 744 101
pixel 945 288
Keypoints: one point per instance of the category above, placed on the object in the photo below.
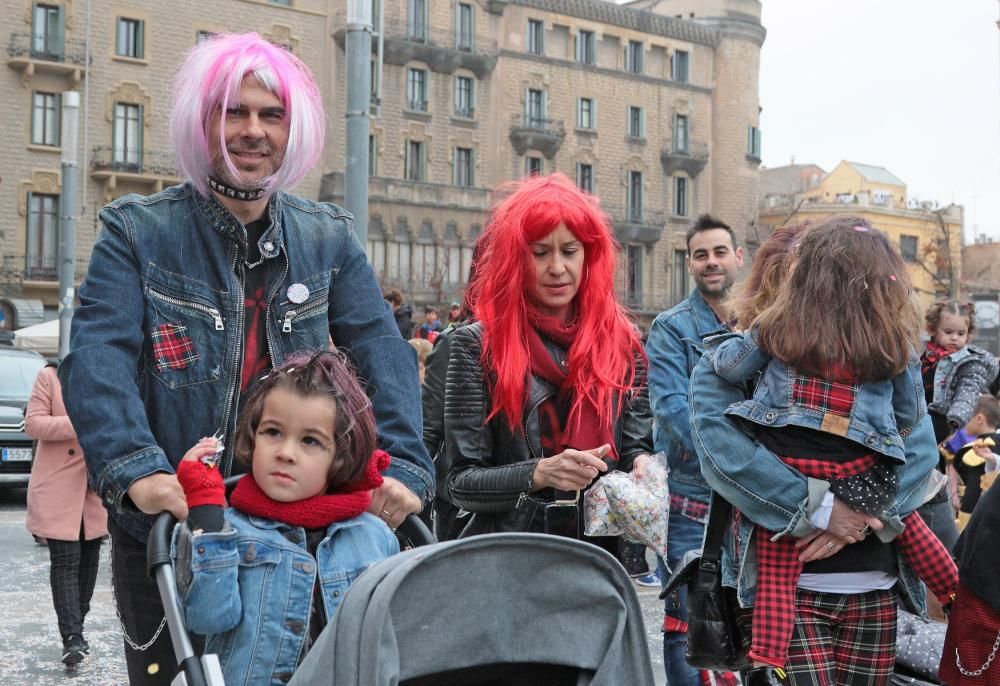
pixel 589 431
pixel 319 511
pixel 928 361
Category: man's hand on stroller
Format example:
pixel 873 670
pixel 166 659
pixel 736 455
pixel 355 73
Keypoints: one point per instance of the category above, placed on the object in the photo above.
pixel 392 502
pixel 159 492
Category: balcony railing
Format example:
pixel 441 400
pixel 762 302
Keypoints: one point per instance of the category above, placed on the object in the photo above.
pixel 150 162
pixel 634 224
pixel 684 155
pixel 25 44
pixel 465 112
pixel 16 269
pixel 531 132
pixel 416 105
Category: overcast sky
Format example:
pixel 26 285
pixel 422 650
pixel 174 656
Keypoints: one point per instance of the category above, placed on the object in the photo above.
pixel 909 85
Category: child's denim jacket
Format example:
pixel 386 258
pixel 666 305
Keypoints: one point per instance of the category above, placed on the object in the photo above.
pixel 959 379
pixel 249 587
pixel 875 414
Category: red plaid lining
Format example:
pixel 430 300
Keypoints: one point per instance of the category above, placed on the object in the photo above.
pixel 173 347
pixel 778 567
pixel 690 508
pixel 823 395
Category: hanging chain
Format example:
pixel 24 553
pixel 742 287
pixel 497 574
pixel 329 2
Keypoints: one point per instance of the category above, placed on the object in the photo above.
pixel 986 665
pixel 114 596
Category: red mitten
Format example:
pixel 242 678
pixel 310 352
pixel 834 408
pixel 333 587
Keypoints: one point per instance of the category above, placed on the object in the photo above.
pixel 202 484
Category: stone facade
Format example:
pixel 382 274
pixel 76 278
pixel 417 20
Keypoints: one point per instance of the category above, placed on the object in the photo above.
pixel 422 229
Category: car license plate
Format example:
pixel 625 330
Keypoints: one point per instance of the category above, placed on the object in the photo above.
pixel 16 454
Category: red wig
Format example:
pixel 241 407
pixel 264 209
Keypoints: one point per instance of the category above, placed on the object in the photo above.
pixel 602 360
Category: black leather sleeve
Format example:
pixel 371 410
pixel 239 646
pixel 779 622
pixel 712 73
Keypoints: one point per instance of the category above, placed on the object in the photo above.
pixel 476 483
pixel 636 422
pixel 432 393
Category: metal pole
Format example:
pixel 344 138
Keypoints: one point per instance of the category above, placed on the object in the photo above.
pixel 358 51
pixel 67 218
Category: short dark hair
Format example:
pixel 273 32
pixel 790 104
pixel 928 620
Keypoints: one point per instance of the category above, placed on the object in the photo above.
pixel 327 374
pixel 707 222
pixel 989 407
pixel 394 296
pixel 429 309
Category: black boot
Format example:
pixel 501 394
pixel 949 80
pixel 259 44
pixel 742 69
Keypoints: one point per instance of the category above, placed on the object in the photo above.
pixel 72 649
pixel 764 676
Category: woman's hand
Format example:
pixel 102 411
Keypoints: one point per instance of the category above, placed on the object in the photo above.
pixel 639 465
pixel 818 545
pixel 849 526
pixel 570 470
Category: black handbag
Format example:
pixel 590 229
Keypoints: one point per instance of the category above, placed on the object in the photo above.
pixel 716 639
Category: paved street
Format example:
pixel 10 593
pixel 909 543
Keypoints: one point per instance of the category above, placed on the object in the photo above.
pixel 31 645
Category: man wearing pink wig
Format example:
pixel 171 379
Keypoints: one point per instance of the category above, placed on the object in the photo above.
pixel 194 293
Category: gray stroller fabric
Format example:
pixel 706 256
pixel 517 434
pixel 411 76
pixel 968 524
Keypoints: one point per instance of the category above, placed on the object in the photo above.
pixel 919 644
pixel 496 599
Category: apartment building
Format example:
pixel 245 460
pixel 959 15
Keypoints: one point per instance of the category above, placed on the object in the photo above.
pixel 651 106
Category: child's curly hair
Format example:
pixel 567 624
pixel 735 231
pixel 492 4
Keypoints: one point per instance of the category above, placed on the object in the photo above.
pixel 309 374
pixel 750 297
pixel 957 307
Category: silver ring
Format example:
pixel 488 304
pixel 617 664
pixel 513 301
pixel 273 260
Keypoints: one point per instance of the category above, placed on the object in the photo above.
pixel 830 545
pixel 864 532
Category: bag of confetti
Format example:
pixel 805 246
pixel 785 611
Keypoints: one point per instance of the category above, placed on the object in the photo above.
pixel 620 504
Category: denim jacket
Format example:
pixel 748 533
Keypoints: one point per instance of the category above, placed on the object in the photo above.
pixel 958 380
pixel 157 342
pixel 768 492
pixel 674 347
pixel 880 413
pixel 249 587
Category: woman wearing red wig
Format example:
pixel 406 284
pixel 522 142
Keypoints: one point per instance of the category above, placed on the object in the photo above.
pixel 548 388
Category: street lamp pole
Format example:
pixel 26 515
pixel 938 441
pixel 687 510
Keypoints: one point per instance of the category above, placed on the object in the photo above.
pixel 358 52
pixel 67 218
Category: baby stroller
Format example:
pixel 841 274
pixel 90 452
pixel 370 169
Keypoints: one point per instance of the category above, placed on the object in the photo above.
pixel 205 670
pixel 508 609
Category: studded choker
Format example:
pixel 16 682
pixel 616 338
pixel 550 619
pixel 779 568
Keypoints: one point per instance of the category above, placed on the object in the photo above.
pixel 235 193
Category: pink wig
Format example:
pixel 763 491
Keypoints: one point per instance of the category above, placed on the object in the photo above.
pixel 210 79
pixel 602 359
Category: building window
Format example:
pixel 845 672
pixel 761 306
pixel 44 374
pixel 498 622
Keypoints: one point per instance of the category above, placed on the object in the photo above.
pixel 130 38
pixel 679 66
pixel 284 3
pixel 535 108
pixel 463 167
pixel 127 143
pixel 47 31
pixel 680 196
pixel 532 165
pixel 753 142
pixel 372 156
pixel 585 47
pixel 414 162
pixel 634 199
pixel 416 90
pixel 633 57
pixel 636 123
pixel 585 111
pixel 585 177
pixel 679 283
pixel 463 27
pixel 908 248
pixel 633 275
pixel 536 37
pixel 374 80
pixel 464 97
pixel 45 119
pixel 424 264
pixel 42 246
pixel 416 19
pixel 680 133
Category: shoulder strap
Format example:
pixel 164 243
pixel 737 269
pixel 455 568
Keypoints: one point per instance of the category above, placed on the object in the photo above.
pixel 718 517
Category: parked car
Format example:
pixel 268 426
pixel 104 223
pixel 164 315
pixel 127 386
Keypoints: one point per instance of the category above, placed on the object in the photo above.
pixel 18 369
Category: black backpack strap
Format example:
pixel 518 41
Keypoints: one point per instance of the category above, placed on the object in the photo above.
pixel 718 518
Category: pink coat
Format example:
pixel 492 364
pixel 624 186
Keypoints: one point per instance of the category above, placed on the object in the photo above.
pixel 58 495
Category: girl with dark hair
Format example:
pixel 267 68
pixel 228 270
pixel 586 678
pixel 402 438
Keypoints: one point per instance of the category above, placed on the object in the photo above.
pixel 261 579
pixel 839 388
pixel 547 388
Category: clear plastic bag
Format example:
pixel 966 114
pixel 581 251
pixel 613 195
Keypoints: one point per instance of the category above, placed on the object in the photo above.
pixel 620 504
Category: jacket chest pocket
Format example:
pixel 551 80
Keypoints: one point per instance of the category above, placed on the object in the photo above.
pixel 695 349
pixel 305 325
pixel 185 333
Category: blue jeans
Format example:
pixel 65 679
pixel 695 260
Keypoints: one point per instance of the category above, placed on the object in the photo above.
pixel 683 535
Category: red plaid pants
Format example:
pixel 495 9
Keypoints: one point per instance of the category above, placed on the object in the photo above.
pixel 779 569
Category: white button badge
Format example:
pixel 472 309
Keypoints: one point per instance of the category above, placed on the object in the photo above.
pixel 298 293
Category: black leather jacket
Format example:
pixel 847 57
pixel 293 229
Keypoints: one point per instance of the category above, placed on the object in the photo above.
pixel 489 466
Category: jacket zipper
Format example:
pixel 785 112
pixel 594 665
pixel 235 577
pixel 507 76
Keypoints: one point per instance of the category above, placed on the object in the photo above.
pixel 191 305
pixel 233 395
pixel 286 326
pixel 267 311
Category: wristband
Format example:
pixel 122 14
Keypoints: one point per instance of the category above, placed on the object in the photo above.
pixel 202 484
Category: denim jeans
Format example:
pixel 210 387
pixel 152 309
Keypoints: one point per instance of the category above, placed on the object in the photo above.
pixel 940 517
pixel 684 535
pixel 141 613
pixel 72 576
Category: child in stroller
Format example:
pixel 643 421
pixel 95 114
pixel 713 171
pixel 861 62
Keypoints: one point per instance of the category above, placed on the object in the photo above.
pixel 260 579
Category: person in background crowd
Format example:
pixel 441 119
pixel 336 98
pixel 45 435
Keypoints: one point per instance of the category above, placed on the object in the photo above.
pixel 955 373
pixel 194 292
pixel 546 388
pixel 431 327
pixel 674 346
pixel 423 348
pixel 454 312
pixel 970 452
pixel 64 510
pixel 401 312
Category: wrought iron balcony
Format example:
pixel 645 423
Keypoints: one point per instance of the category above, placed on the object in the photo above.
pixel 118 160
pixel 528 132
pixel 24 44
pixel 636 224
pixel 684 156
